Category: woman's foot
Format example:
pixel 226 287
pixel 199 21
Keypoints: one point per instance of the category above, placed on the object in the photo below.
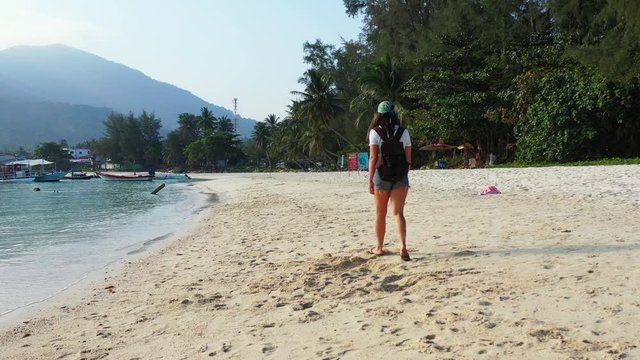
pixel 404 255
pixel 376 251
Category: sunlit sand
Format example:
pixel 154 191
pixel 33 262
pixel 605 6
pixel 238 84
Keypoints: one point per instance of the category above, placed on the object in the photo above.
pixel 278 268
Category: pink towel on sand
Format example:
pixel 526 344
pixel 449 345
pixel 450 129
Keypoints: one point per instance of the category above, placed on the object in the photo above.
pixel 489 189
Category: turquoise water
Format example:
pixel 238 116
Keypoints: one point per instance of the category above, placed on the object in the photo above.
pixel 51 239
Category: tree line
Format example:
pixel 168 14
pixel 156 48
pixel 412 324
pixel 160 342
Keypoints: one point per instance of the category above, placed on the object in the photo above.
pixel 527 80
pixel 200 142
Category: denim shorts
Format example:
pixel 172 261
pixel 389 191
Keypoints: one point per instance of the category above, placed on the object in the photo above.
pixel 380 184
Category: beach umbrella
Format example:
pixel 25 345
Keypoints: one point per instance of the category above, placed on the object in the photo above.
pixel 438 146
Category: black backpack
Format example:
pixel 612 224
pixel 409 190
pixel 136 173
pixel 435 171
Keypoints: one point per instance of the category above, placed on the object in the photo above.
pixel 394 163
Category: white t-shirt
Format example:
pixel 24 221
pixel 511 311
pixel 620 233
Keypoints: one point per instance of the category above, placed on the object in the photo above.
pixel 375 139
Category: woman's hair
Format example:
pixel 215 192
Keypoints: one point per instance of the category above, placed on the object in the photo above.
pixel 386 121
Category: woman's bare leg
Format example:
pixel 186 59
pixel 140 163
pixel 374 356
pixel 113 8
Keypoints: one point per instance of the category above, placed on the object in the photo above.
pixel 398 198
pixel 380 225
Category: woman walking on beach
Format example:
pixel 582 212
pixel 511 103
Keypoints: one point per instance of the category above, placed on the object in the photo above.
pixel 386 129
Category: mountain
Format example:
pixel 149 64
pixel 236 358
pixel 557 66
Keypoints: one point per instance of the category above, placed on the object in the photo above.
pixel 30 123
pixel 57 87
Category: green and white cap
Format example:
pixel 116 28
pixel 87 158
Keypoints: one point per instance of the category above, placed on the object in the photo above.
pixel 385 107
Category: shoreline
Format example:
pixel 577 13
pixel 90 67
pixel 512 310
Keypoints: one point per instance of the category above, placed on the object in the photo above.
pixel 143 247
pixel 35 309
pixel 278 268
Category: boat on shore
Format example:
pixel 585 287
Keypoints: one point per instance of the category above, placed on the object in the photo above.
pixel 112 176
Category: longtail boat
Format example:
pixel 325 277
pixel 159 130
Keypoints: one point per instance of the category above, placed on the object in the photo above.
pixel 124 176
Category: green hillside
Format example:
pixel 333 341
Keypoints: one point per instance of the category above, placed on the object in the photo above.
pixel 30 123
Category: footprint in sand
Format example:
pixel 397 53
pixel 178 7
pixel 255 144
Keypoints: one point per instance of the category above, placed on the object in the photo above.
pixel 310 316
pixel 302 305
pixel 388 283
pixel 427 345
pixel 465 253
pixel 543 335
pixel 392 278
pixel 267 349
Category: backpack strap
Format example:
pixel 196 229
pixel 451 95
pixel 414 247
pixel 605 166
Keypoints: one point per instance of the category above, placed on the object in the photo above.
pixel 381 132
pixel 398 133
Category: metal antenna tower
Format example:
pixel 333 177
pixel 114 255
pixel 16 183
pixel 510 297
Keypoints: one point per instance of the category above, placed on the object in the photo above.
pixel 235 114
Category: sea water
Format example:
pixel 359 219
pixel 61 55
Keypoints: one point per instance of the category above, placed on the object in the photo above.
pixel 53 238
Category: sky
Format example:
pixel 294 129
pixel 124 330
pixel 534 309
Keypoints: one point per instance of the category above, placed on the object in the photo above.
pixel 216 49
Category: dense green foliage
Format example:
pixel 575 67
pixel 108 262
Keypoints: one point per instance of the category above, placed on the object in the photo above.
pixel 131 139
pixel 55 153
pixel 202 142
pixel 562 123
pixel 532 80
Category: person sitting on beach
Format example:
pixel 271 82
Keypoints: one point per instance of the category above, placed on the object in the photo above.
pixel 385 121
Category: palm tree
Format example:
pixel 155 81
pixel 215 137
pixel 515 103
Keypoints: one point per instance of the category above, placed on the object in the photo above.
pixel 173 149
pixel 272 121
pixel 188 127
pixel 383 79
pixel 263 134
pixel 288 140
pixel 296 137
pixel 262 138
pixel 319 103
pixel 206 121
pixel 226 125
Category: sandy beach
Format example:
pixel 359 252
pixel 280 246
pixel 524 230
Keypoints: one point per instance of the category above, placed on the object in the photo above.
pixel 277 268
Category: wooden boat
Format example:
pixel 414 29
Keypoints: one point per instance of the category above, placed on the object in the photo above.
pixel 22 170
pixel 124 176
pixel 74 175
pixel 50 176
